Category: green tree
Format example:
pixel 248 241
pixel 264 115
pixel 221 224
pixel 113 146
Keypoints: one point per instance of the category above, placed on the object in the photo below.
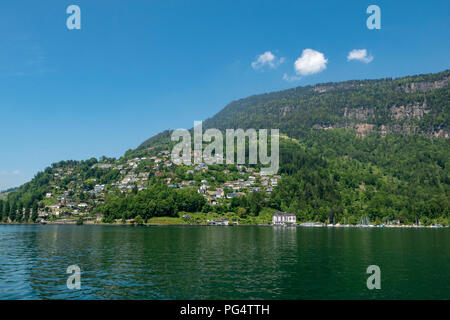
pixel 1 210
pixel 242 212
pixel 34 212
pixel 12 212
pixel 5 212
pixel 26 216
pixel 19 216
pixel 139 220
pixel 256 202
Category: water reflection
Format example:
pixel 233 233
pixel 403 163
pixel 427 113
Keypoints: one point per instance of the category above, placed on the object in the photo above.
pixel 221 262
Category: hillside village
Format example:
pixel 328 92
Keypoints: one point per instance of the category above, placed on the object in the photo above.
pixel 353 151
pixel 73 196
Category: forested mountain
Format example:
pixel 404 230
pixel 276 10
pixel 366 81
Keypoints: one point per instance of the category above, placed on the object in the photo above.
pixel 375 149
pixel 417 104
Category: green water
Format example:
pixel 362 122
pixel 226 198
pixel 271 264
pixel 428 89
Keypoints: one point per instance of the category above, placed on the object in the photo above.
pixel 223 262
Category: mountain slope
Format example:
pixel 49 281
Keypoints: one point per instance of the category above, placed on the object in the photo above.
pixel 416 104
pixel 371 149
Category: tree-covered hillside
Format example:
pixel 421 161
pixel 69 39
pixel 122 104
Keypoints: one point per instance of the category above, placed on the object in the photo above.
pixel 416 104
pixel 371 150
pixel 335 176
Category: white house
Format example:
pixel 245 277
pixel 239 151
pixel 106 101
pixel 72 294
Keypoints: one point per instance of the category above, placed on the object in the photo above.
pixel 218 222
pixel 281 218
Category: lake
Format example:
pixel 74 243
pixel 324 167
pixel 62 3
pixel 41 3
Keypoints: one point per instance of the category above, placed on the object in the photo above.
pixel 186 262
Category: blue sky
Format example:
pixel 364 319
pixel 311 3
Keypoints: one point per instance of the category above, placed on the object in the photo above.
pixel 138 67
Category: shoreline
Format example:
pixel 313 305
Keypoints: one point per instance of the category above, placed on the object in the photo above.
pixel 239 225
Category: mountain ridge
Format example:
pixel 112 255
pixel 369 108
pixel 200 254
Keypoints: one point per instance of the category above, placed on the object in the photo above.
pixel 410 89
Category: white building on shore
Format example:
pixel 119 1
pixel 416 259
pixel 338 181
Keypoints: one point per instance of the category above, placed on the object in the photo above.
pixel 282 218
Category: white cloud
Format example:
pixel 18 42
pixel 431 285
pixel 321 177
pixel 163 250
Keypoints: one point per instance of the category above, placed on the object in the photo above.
pixel 310 62
pixel 289 78
pixel 267 59
pixel 360 55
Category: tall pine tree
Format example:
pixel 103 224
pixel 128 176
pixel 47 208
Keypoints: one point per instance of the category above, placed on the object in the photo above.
pixel 34 212
pixel 12 212
pixel 27 213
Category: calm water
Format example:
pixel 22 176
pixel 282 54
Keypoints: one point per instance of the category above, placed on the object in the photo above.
pixel 222 262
